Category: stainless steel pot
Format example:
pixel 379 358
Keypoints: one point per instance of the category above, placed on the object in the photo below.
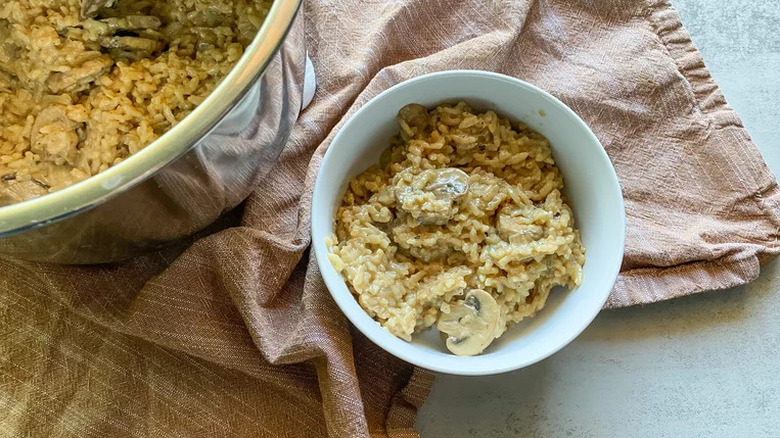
pixel 203 167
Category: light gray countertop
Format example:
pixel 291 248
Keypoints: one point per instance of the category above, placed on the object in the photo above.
pixel 701 366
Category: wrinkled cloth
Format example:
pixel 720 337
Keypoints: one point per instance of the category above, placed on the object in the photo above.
pixel 234 333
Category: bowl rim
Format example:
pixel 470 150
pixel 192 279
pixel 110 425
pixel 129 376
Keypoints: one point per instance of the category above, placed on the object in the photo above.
pixel 170 146
pixel 383 338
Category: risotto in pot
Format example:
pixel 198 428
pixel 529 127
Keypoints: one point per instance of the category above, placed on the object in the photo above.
pixel 84 84
pixel 461 226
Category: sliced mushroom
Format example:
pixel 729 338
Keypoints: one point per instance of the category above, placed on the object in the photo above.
pixel 54 136
pixel 472 324
pixel 415 117
pixel 12 192
pixel 515 225
pixel 447 183
pixel 90 8
pixel 79 76
pixel 132 44
pixel 152 34
pixel 130 48
pixel 428 254
pixel 130 22
pixel 433 193
pixel 41 183
pixel 145 26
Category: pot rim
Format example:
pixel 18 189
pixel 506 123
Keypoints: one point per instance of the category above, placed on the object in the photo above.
pixel 177 141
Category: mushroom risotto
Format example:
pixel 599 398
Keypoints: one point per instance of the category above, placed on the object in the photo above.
pixel 461 225
pixel 86 83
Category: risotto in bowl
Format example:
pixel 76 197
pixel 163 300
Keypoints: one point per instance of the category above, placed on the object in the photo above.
pixel 468 222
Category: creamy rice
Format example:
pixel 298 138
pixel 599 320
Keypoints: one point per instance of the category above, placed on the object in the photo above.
pixel 85 84
pixel 461 225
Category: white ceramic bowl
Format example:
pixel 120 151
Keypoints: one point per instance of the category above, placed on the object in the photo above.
pixel 590 184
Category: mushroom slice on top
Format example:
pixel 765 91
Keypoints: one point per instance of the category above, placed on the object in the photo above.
pixel 12 192
pixel 80 76
pixel 446 184
pixel 130 23
pixel 54 136
pixel 131 44
pixel 433 193
pixel 415 117
pixel 472 323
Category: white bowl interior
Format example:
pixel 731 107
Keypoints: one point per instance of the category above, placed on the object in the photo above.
pixel 591 186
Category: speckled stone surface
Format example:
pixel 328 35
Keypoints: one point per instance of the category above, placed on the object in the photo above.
pixel 701 366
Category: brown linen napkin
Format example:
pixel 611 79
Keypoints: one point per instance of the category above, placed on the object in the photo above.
pixel 236 335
